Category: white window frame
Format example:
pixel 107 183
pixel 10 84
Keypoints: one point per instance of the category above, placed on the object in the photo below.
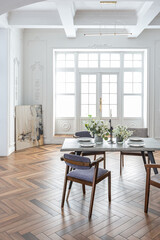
pixel 99 71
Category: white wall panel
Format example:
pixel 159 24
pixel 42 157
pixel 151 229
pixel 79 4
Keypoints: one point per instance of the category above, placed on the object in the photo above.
pixel 39 46
pixel 157 90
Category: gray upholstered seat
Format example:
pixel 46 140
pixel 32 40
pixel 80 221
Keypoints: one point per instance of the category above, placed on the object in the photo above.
pixel 137 132
pixel 87 153
pixel 86 175
pixel 156 178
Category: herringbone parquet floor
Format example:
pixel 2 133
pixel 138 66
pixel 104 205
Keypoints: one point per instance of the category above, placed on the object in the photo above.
pixel 31 183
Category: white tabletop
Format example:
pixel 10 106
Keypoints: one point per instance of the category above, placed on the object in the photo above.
pixel 72 144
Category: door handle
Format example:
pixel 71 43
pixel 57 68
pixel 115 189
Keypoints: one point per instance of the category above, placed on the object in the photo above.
pixel 100 104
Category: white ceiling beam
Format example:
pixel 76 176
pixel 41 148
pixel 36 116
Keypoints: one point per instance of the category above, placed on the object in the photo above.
pixel 9 5
pixel 4 21
pixel 36 18
pixel 105 17
pixel 145 16
pixel 66 12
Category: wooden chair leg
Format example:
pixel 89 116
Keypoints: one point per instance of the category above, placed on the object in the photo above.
pixel 120 163
pixel 109 187
pixel 104 163
pixel 95 157
pixel 69 190
pixel 83 188
pixel 93 192
pixel 147 192
pixel 65 186
pixel 122 160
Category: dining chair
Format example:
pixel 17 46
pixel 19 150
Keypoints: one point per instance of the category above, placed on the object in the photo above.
pixel 88 153
pixel 137 132
pixel 87 173
pixel 150 180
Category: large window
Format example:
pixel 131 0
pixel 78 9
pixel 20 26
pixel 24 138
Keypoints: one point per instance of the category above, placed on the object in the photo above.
pixel 99 83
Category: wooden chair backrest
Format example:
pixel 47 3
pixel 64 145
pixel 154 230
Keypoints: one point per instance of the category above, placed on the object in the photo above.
pixel 77 162
pixel 139 132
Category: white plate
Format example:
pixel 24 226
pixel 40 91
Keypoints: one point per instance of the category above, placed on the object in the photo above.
pixel 136 139
pixel 84 139
pixel 87 145
pixel 136 145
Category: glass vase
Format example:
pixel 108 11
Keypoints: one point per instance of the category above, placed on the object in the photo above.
pixel 98 139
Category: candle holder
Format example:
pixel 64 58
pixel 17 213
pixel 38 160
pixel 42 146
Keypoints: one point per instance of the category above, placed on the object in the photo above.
pixel 111 131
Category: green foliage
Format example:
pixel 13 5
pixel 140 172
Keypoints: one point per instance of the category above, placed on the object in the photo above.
pixel 98 127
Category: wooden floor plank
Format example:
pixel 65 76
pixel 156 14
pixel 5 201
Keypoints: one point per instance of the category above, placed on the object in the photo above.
pixel 31 183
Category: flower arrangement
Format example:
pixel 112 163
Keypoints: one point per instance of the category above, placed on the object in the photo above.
pixel 122 133
pixel 97 127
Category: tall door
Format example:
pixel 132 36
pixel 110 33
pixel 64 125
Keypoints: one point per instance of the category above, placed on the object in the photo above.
pixel 108 95
pixel 98 96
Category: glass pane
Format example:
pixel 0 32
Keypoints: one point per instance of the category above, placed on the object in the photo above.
pixel 69 64
pixel 61 56
pixel 137 64
pixel 84 78
pixel 127 87
pixel 69 76
pixel 128 57
pixel 92 78
pixel 93 56
pixel 128 64
pixel 137 77
pixel 113 88
pixel 105 111
pixel 137 88
pixel 105 87
pixel 113 78
pixel 60 77
pixel 84 98
pixel 105 98
pixel 132 106
pixel 61 64
pixel 92 98
pixel 105 56
pixel 70 88
pixel 115 64
pixel 69 57
pixel 113 99
pixel 114 110
pixel 84 111
pixel 115 56
pixel 105 78
pixel 137 56
pixel 93 64
pixel 105 64
pixel 84 88
pixel 60 88
pixel 83 56
pixel 127 76
pixel 65 106
pixel 92 110
pixel 83 64
pixel 92 88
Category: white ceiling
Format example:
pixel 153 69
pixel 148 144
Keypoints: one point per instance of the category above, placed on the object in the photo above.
pixel 71 15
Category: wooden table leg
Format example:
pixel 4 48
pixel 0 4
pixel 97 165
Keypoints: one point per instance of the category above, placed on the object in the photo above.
pixel 143 157
pixel 151 157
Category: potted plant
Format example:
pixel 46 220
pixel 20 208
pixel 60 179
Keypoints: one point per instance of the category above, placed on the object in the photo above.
pixel 121 133
pixel 98 129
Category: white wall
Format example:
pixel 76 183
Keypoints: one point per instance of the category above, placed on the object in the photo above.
pixel 4 84
pixel 15 80
pixel 11 62
pixel 38 68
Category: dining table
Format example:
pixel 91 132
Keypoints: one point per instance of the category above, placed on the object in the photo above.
pixel 146 145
